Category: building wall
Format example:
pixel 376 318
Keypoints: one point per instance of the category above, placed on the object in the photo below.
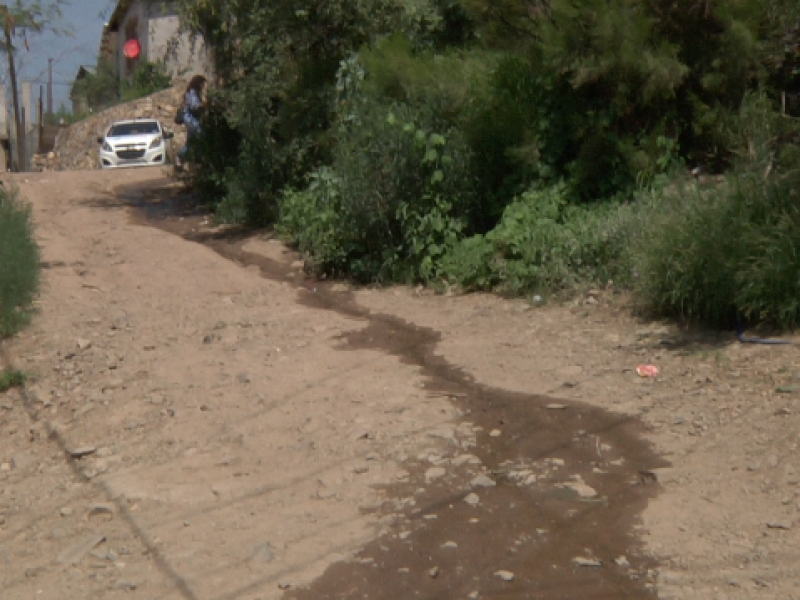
pixel 183 55
pixel 132 25
pixel 156 24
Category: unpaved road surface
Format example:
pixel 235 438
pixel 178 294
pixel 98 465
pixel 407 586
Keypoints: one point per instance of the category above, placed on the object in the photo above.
pixel 206 422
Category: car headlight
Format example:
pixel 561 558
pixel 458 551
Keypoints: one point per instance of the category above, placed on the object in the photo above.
pixel 107 147
pixel 156 142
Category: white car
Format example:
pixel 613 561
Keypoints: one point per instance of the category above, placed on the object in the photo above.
pixel 134 143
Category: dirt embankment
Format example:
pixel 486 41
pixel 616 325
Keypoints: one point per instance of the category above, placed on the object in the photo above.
pixel 209 423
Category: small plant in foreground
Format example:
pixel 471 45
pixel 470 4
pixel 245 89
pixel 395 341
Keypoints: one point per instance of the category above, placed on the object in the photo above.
pixel 11 378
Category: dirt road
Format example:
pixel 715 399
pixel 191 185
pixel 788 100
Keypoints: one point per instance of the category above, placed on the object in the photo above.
pixel 208 423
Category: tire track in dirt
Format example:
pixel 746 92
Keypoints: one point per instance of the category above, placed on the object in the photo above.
pixel 570 480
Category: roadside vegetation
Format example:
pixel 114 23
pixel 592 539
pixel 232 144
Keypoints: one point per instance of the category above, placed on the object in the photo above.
pixel 11 378
pixel 19 264
pixel 526 148
pixel 103 89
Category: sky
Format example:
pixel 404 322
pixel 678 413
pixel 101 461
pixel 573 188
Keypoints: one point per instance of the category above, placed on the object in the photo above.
pixel 85 19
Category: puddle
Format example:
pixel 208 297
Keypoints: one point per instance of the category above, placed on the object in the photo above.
pixel 571 480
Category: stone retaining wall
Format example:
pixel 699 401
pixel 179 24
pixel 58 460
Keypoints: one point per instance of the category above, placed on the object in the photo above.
pixel 76 146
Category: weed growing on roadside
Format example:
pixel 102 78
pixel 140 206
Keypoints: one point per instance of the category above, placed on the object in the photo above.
pixel 11 378
pixel 19 264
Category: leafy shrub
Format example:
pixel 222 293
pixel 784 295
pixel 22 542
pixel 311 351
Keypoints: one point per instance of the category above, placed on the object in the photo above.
pixel 10 378
pixel 396 198
pixel 718 254
pixel 19 264
pixel 544 244
pixel 147 78
pixel 731 250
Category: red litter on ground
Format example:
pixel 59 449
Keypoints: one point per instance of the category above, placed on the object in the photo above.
pixel 647 370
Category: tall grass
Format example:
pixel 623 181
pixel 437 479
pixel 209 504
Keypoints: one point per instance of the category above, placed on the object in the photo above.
pixel 725 253
pixel 731 250
pixel 19 264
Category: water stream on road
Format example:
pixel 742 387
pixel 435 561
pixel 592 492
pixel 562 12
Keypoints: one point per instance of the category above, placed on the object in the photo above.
pixel 529 523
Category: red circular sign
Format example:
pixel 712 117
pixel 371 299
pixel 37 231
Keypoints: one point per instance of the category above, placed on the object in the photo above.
pixel 132 49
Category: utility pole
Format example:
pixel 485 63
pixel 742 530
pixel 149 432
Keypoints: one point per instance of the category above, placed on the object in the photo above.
pixel 50 86
pixel 8 23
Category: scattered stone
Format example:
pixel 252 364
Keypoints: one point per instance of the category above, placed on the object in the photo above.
pixel 31 572
pixel 82 451
pixel 100 509
pixel 403 570
pixel 74 555
pixel 495 433
pixel 482 481
pixel 587 562
pixel 21 461
pixel 404 535
pixel 434 572
pixel 466 459
pixel 284 585
pixel 360 469
pixel 555 406
pixel 578 486
pixel 66 512
pixel 84 344
pixel 262 553
pixel 557 462
pixel 125 585
pixel 434 473
pixel 779 525
pixel 242 378
pixel 5 467
pixel 472 499
pixel 505 575
pixel 622 561
pixel 449 545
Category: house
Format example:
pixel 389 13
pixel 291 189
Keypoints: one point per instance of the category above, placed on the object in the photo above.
pixel 152 29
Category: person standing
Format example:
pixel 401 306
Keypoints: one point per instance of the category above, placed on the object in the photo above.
pixel 193 106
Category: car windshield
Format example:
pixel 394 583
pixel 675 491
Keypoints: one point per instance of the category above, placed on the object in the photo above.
pixel 143 128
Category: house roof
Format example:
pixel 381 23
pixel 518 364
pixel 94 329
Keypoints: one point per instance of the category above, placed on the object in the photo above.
pixel 85 70
pixel 118 14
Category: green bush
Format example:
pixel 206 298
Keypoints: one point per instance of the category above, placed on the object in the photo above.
pixel 19 264
pixel 544 244
pixel 396 198
pixel 147 78
pixel 10 378
pixel 731 250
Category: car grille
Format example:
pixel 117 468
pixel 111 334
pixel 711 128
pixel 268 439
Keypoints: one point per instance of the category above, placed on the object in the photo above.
pixel 130 154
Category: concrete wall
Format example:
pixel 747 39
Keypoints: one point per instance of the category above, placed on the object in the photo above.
pixel 156 25
pixel 132 26
pixel 183 55
pixel 76 145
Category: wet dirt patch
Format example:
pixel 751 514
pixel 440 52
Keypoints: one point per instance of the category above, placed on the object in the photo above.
pixel 539 499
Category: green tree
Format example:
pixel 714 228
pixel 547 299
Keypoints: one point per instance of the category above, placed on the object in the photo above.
pixel 276 65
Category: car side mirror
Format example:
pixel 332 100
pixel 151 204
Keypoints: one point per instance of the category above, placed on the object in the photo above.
pixel 168 135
